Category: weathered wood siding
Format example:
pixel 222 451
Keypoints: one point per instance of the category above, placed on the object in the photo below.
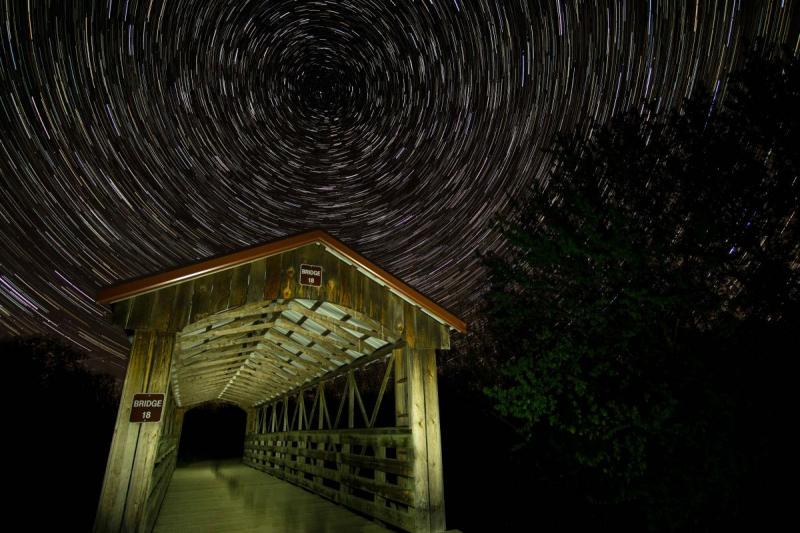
pixel 267 279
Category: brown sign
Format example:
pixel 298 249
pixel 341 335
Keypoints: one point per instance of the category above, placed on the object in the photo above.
pixel 311 275
pixel 147 407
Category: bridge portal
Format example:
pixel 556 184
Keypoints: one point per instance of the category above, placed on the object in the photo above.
pixel 332 359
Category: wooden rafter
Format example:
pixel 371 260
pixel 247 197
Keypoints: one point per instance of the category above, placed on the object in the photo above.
pixel 260 351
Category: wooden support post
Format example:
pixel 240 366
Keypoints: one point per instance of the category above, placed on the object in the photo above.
pixel 321 406
pixel 433 439
pixel 285 412
pixel 126 486
pixel 252 421
pixel 400 387
pixel 177 426
pixel 301 410
pixel 423 414
pixel 416 416
pixel 351 400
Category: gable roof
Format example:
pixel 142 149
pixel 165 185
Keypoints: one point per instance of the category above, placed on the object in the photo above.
pixel 178 275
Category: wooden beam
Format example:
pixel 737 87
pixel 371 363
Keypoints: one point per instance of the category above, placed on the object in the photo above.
pixel 249 311
pixel 223 332
pixel 283 343
pixel 126 486
pixel 269 346
pixel 334 324
pixel 223 342
pixel 210 388
pixel 423 413
pixel 245 398
pixel 325 342
pixel 344 369
pixel 213 355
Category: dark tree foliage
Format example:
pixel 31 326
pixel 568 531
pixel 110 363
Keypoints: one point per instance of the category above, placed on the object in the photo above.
pixel 648 301
pixel 61 422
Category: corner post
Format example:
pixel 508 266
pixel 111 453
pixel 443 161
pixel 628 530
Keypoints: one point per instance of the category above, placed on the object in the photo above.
pixel 422 340
pixel 127 481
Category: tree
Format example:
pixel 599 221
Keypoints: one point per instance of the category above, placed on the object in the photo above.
pixel 624 308
pixel 61 423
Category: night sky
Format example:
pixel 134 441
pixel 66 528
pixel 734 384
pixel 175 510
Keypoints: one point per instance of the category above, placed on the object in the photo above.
pixel 136 136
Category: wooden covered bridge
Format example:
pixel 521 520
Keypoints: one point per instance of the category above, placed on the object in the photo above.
pixel 287 331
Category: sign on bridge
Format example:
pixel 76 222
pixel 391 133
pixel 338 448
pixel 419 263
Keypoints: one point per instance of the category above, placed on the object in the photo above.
pixel 311 275
pixel 147 407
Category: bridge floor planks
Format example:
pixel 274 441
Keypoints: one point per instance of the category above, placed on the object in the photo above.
pixel 231 497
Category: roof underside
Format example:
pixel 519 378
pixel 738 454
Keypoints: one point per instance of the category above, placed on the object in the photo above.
pixel 258 352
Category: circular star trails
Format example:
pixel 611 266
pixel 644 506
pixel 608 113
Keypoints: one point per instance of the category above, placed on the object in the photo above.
pixel 139 135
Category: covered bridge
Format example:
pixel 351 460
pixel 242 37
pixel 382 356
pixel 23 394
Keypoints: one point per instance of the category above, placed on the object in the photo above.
pixel 284 330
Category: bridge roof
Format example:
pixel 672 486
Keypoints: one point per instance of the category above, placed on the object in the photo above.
pixel 136 287
pixel 247 330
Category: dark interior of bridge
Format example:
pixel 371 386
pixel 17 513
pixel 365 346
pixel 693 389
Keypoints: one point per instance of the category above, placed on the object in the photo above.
pixel 212 432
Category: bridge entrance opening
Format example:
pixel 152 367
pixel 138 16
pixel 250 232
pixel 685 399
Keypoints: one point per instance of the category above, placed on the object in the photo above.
pixel 212 432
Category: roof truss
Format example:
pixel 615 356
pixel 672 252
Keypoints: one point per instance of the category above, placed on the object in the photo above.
pixel 258 352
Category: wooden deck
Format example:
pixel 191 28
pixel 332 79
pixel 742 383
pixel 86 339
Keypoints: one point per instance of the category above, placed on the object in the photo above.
pixel 233 497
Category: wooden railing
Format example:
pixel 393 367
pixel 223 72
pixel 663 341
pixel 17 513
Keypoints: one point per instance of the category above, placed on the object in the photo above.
pixel 165 460
pixel 162 474
pixel 369 470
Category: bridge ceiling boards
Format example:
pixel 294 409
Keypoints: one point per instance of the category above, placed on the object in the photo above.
pixel 253 325
pixel 260 352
